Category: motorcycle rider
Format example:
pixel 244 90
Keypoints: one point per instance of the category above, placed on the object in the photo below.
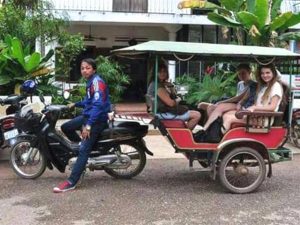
pixel 92 122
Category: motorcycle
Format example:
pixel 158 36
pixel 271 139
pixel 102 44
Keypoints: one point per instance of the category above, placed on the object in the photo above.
pixel 8 131
pixel 120 150
pixel 295 127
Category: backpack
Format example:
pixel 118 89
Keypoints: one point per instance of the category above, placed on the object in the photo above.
pixel 213 134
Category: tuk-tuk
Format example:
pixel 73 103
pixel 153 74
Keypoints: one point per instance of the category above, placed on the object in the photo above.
pixel 244 156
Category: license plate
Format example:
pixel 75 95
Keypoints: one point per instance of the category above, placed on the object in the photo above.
pixel 11 134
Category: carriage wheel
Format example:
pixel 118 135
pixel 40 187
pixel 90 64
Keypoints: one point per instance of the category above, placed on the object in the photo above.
pixel 242 170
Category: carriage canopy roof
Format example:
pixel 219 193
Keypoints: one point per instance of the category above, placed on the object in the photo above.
pixel 205 51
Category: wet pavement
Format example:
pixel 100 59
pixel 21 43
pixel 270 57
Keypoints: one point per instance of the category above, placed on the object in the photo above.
pixel 167 192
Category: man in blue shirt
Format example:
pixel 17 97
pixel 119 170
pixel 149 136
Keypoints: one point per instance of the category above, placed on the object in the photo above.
pixel 92 122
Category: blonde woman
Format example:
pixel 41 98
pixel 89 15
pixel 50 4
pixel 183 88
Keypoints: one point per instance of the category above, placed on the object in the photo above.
pixel 269 94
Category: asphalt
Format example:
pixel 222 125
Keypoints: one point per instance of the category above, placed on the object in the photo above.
pixel 167 192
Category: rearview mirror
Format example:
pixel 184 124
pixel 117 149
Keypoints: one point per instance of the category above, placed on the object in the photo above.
pixel 42 99
pixel 66 95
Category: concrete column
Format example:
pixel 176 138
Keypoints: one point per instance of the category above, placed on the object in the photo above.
pixel 38 45
pixel 48 47
pixel 171 63
pixel 172 32
pixel 292 45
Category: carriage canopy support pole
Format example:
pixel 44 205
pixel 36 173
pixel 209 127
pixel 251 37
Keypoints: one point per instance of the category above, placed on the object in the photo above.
pixel 156 82
pixel 291 97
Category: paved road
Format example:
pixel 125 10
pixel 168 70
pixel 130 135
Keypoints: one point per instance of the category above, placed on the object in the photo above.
pixel 165 193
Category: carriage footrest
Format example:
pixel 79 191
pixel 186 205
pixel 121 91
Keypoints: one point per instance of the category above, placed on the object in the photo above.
pixel 280 154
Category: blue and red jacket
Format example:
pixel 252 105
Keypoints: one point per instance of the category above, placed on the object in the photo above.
pixel 96 103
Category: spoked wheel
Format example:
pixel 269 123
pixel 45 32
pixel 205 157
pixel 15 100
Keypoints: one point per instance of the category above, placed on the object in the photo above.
pixel 242 170
pixel 295 134
pixel 138 161
pixel 27 162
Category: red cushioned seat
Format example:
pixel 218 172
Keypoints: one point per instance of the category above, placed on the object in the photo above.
pixel 173 123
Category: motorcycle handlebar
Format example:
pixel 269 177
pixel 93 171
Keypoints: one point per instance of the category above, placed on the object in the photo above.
pixel 12 99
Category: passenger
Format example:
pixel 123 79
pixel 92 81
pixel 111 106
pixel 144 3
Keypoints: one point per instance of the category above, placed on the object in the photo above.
pixel 244 98
pixel 269 94
pixel 166 100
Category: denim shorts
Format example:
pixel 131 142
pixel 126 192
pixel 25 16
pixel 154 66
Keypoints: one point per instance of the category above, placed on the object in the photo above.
pixel 170 116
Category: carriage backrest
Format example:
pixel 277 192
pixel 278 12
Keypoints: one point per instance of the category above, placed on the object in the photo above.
pixel 284 106
pixel 149 103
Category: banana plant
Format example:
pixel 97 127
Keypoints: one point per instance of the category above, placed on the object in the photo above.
pixel 290 36
pixel 196 4
pixel 260 19
pixel 18 64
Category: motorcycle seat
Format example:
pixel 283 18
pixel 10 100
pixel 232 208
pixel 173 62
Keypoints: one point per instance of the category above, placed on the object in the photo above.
pixel 116 132
pixel 124 129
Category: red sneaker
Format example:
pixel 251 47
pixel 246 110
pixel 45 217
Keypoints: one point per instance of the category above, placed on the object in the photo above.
pixel 63 187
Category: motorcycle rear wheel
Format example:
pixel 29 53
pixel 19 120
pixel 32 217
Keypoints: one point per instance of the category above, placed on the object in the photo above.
pixel 138 162
pixel 31 168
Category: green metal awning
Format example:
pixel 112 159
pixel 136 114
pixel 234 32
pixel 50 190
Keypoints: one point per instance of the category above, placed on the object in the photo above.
pixel 205 51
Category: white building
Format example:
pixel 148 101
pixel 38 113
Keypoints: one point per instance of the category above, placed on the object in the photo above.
pixel 110 24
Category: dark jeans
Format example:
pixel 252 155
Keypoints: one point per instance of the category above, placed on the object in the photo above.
pixel 69 128
pixel 85 146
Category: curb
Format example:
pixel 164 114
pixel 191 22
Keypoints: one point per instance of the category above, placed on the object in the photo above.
pixel 153 132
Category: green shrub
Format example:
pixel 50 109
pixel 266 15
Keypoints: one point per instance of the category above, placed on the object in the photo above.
pixel 212 87
pixel 114 77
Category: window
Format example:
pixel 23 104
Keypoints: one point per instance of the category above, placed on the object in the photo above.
pixel 203 11
pixel 295 6
pixel 130 6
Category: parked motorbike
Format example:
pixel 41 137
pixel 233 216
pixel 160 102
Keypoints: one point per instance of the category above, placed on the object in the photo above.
pixel 295 127
pixel 119 151
pixel 8 130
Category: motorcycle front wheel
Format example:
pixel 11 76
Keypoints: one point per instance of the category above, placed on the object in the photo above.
pixel 26 161
pixel 138 161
